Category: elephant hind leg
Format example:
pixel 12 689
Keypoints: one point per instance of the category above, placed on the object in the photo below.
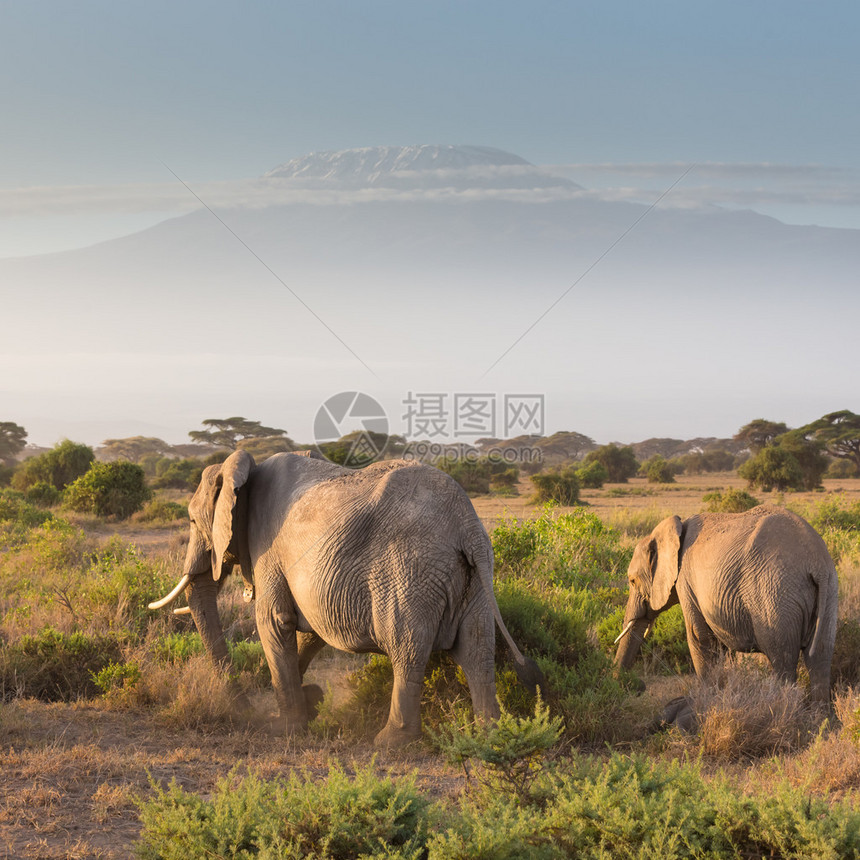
pixel 309 645
pixel 404 717
pixel 474 652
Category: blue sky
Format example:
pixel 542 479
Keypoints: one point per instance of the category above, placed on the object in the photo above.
pixel 617 95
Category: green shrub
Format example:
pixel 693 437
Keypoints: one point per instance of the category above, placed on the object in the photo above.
pixel 116 489
pixel 472 475
pixel 16 511
pixel 248 657
pixel 552 624
pixel 658 470
pixel 163 511
pixel 562 548
pixel 504 483
pixel 730 501
pixel 592 476
pixel 842 469
pixel 59 467
pixel 636 807
pixel 835 513
pixel 556 485
pixel 43 495
pixel 178 474
pixel 620 463
pixel 117 676
pixel 55 666
pixel 620 807
pixel 177 647
pixel 339 817
pixel 119 584
pixel 845 667
pixel 772 468
pixel 511 750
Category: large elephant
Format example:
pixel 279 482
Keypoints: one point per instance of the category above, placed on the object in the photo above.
pixel 391 559
pixel 761 581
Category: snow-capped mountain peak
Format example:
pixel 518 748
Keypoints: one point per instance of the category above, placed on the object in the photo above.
pixel 426 166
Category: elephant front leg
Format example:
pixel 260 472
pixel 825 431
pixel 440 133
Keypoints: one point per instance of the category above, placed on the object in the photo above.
pixel 276 625
pixel 704 646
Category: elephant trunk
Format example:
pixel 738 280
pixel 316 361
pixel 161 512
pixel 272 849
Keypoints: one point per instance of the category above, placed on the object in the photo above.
pixel 628 648
pixel 202 594
pixel 637 620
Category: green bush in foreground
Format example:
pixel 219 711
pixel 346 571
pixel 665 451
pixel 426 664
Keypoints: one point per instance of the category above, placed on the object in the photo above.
pixel 588 808
pixel 340 817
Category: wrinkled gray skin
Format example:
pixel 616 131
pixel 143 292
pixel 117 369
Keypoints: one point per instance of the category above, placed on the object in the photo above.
pixel 761 581
pixel 391 559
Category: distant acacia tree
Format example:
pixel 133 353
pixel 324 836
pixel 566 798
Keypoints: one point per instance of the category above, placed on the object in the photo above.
pixel 839 433
pixel 228 432
pixel 133 449
pixel 758 434
pixel 12 440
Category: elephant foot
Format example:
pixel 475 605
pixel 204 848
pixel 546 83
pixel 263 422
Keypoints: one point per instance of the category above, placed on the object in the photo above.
pixel 391 737
pixel 313 699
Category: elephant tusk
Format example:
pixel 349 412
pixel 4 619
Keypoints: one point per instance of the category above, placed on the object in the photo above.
pixel 157 604
pixel 624 632
pixel 182 610
pixel 647 631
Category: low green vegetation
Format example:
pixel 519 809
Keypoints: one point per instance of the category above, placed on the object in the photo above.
pixel 521 805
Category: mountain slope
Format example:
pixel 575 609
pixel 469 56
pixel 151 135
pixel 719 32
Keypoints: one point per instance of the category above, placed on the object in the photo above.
pixel 428 263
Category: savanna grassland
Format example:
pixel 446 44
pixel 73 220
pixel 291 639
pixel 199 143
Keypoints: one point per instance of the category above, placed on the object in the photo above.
pixel 118 739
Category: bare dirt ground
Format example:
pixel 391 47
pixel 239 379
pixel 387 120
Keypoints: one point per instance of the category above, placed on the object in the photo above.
pixel 69 774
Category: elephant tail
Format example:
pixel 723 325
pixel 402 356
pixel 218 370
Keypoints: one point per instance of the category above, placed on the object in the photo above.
pixel 826 612
pixel 480 556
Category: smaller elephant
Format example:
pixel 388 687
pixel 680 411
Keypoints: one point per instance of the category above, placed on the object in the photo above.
pixel 758 581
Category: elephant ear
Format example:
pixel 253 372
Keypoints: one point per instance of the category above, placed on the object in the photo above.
pixel 234 473
pixel 665 548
